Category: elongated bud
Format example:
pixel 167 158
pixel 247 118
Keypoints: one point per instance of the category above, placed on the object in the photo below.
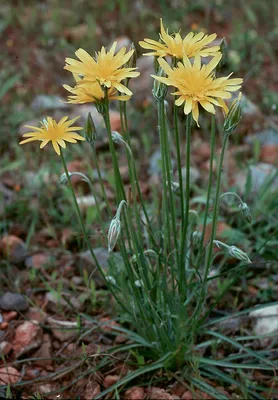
pixel 133 59
pixel 246 212
pixel 113 233
pixel 176 188
pixel 234 116
pixel 159 88
pixel 90 130
pixel 115 227
pixel 156 65
pixel 63 179
pixel 239 254
pixel 196 238
pixel 234 251
pixel 117 138
pixel 223 51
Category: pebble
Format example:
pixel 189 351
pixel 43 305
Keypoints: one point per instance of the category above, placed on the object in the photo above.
pixel 13 249
pixel 9 315
pixel 13 302
pixel 28 336
pixel 9 375
pixel 109 380
pixel 135 393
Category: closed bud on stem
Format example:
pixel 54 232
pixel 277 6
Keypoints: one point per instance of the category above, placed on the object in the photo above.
pixel 113 233
pixel 234 251
pixel 133 59
pixel 115 228
pixel 239 254
pixel 159 88
pixel 223 51
pixel 63 179
pixel 176 188
pixel 156 65
pixel 246 212
pixel 117 138
pixel 234 116
pixel 90 130
pixel 196 238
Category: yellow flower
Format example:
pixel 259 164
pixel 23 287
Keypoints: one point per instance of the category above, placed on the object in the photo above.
pixel 57 133
pixel 192 45
pixel 107 69
pixel 91 93
pixel 196 84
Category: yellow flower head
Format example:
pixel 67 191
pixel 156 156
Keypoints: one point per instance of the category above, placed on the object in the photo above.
pixel 106 69
pixel 196 84
pixel 91 93
pixel 192 45
pixel 56 132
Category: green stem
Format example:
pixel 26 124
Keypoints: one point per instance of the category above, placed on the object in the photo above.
pixel 212 146
pixel 186 206
pixel 216 207
pixel 101 180
pixel 86 236
pixel 209 256
pixel 165 213
pixel 176 127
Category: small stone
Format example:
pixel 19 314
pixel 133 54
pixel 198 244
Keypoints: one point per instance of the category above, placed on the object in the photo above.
pixel 259 174
pixel 9 315
pixel 85 261
pixel 13 302
pixel 135 393
pixel 266 137
pixel 92 390
pixel 4 326
pixel 122 41
pixel 35 314
pixel 115 121
pixel 63 330
pixel 32 373
pixel 13 248
pixel 178 389
pixel 28 336
pixel 44 351
pixel 269 154
pixel 5 348
pixel 37 261
pixel 141 86
pixel 45 103
pixel 155 393
pixel 9 375
pixel 53 301
pixel 187 395
pixel 109 380
pixel 221 229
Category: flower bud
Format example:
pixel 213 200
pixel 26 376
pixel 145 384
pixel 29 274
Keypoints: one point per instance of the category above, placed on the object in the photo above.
pixel 234 251
pixel 223 51
pixel 90 130
pixel 159 88
pixel 113 233
pixel 234 115
pixel 176 188
pixel 63 178
pixel 156 65
pixel 239 254
pixel 196 238
pixel 117 138
pixel 246 212
pixel 133 59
